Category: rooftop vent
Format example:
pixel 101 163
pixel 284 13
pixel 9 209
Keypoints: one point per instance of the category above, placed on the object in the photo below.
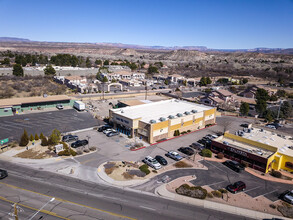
pixel 194 111
pixel 162 119
pixel 187 113
pixel 179 115
pixel 152 121
pixel 171 116
pixel 176 100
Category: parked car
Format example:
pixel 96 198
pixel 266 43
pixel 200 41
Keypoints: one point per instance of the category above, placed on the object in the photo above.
pixel 104 127
pixel 287 196
pixel 79 143
pixel 69 137
pixel 112 133
pixel 3 174
pixel 197 146
pixel 186 150
pixel 270 126
pixel 152 162
pixel 236 187
pixel 161 160
pixel 174 155
pixel 107 131
pixel 234 165
pixel 244 125
pixel 59 106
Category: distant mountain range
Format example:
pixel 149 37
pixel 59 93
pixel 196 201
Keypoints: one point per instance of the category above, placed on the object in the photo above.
pixel 133 46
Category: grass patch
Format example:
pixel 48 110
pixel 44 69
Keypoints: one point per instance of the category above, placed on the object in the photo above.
pixel 182 164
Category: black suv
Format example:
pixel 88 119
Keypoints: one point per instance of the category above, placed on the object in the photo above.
pixel 161 160
pixel 234 165
pixel 3 174
pixel 79 143
pixel 186 150
pixel 104 127
pixel 69 137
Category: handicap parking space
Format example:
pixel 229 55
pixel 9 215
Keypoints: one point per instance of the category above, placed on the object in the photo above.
pixel 65 120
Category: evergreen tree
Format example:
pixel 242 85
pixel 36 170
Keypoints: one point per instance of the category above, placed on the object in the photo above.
pixel 98 62
pixel 54 137
pixel 105 79
pixel 24 139
pixel 36 137
pixel 49 70
pixel 244 108
pixel 203 81
pixel 17 70
pixel 42 135
pixel 88 63
pixel 31 137
pixel 208 80
pixel 44 141
pixel 106 62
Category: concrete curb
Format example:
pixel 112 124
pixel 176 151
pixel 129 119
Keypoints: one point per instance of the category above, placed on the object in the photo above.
pixel 162 191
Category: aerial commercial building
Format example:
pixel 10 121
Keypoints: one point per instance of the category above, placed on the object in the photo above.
pixel 158 120
pixel 259 149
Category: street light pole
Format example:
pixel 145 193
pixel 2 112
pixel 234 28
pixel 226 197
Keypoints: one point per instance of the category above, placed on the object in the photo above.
pixel 281 101
pixel 51 200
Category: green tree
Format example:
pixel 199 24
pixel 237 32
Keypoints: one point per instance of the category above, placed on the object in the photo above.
pixel 54 137
pixel 203 81
pixel 268 115
pixel 24 139
pixel 184 82
pixel 244 80
pixel 106 62
pixel 166 82
pixel 36 137
pixel 273 98
pixel 261 106
pixel 42 135
pixel 17 70
pixel 49 70
pixel 88 63
pixel 262 94
pixel 208 80
pixel 244 108
pixel 113 80
pixel 6 61
pixel 99 77
pixel 98 62
pixel 31 137
pixel 152 69
pixel 286 109
pixel 281 93
pixel 44 141
pixel 105 79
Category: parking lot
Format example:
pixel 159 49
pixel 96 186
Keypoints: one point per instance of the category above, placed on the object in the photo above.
pixel 63 120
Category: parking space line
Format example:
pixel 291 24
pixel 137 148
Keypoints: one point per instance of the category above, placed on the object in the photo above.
pixel 214 165
pixel 14 127
pixel 266 193
pixel 217 183
pixel 6 128
pixel 17 124
pixel 252 189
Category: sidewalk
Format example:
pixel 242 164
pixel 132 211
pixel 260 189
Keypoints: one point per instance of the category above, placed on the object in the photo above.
pixel 162 191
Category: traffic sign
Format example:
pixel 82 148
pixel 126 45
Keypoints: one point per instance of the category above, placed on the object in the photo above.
pixel 4 141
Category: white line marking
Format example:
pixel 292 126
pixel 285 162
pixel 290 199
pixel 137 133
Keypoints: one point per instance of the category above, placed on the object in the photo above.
pixel 144 207
pixel 217 183
pixel 252 189
pixel 214 165
pixel 266 193
pixel 6 128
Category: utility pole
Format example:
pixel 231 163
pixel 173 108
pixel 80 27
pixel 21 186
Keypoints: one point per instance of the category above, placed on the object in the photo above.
pixel 146 91
pixel 281 101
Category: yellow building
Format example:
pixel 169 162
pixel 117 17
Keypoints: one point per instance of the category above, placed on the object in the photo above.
pixel 260 149
pixel 159 120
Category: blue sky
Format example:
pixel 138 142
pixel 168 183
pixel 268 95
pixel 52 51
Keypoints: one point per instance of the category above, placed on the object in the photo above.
pixel 221 24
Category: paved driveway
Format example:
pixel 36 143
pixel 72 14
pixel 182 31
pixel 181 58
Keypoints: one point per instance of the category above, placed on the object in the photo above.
pixel 63 120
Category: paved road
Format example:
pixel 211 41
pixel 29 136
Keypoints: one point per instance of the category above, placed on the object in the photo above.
pixel 219 176
pixel 64 120
pixel 103 198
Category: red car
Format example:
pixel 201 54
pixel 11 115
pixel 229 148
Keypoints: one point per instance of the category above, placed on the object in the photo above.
pixel 236 187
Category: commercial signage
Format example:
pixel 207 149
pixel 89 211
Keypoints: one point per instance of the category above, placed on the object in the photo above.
pixel 4 141
pixel 236 151
pixel 59 148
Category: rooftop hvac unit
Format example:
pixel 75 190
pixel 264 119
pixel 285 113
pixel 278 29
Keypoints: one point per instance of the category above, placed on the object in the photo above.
pixel 176 100
pixel 194 111
pixel 162 119
pixel 152 121
pixel 171 116
pixel 187 113
pixel 179 115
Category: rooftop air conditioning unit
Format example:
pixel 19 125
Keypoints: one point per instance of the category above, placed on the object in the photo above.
pixel 179 115
pixel 152 121
pixel 187 113
pixel 171 116
pixel 194 111
pixel 162 119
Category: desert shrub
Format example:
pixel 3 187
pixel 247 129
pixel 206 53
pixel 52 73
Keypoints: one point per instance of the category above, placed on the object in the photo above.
pixel 31 137
pixel 50 148
pixel 154 171
pixel 127 175
pixel 286 210
pixel 176 133
pixel 183 132
pixel 64 153
pixel 188 131
pixel 194 191
pixel 44 141
pixel 210 195
pixel 206 153
pixel 65 145
pixel 182 164
pixel 223 190
pixel 273 206
pixel 245 164
pixel 86 150
pixel 54 137
pixel 276 174
pixel 144 168
pixel 72 152
pixel 36 137
pixel 92 148
pixel 109 170
pixel 217 193
pixel 79 152
pixel 220 155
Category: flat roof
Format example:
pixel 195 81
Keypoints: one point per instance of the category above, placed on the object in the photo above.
pixel 4 103
pixel 283 143
pixel 246 147
pixel 132 102
pixel 156 110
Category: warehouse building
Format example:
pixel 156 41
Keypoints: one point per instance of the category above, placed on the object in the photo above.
pixel 155 121
pixel 259 149
pixel 17 105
